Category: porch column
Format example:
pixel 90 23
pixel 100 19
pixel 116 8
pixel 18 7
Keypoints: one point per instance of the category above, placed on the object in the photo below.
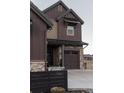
pixel 63 55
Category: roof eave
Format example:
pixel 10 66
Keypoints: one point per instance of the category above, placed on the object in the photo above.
pixel 66 42
pixel 70 10
pixel 81 21
pixel 41 15
pixel 84 43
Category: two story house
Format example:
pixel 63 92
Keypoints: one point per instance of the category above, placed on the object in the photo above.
pixel 39 25
pixel 64 40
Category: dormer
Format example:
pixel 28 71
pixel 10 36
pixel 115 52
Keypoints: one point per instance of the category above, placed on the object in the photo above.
pixel 69 26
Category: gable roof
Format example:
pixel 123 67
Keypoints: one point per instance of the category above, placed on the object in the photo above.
pixel 54 5
pixel 70 11
pixel 40 14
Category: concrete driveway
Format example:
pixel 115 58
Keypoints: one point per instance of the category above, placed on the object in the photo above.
pixel 79 79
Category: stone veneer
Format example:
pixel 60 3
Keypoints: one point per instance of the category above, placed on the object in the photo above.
pixel 37 66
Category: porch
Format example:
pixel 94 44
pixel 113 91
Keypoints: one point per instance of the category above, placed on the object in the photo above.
pixel 64 53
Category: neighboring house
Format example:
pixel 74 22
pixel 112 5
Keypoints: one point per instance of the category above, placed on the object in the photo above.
pixel 64 40
pixel 39 25
pixel 88 61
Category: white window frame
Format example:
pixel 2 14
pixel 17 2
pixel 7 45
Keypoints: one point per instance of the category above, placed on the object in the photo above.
pixel 70 28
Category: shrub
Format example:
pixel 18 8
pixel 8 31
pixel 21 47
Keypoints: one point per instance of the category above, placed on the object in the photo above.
pixel 57 90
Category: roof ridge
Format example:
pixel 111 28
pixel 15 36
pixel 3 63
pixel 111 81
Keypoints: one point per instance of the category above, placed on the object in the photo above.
pixel 54 5
pixel 40 14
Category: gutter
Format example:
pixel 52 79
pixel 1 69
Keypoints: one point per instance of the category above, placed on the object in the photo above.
pixel 86 44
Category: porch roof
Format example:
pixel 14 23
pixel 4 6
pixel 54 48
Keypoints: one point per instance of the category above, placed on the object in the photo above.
pixel 65 42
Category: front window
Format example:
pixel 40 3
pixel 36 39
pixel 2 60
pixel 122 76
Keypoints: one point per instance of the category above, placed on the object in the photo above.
pixel 70 30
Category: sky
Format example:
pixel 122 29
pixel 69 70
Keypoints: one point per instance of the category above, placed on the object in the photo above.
pixel 84 8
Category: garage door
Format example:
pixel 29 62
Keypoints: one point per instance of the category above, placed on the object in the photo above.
pixel 71 59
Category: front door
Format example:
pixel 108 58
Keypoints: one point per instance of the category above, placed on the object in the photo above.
pixel 53 56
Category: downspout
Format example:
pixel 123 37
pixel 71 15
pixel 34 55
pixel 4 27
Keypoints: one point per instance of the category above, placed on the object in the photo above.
pixel 83 53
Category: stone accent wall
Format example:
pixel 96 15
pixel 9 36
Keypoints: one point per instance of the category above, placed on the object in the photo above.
pixel 37 66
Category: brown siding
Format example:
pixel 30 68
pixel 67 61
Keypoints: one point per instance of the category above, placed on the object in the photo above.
pixel 62 34
pixel 53 13
pixel 37 38
pixel 61 26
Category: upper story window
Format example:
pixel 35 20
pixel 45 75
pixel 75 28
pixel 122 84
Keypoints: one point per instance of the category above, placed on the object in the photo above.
pixel 59 8
pixel 70 30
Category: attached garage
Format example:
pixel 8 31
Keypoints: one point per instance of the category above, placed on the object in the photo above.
pixel 71 59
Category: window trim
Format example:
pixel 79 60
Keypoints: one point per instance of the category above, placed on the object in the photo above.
pixel 70 28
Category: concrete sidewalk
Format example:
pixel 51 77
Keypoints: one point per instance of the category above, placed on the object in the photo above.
pixel 80 80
